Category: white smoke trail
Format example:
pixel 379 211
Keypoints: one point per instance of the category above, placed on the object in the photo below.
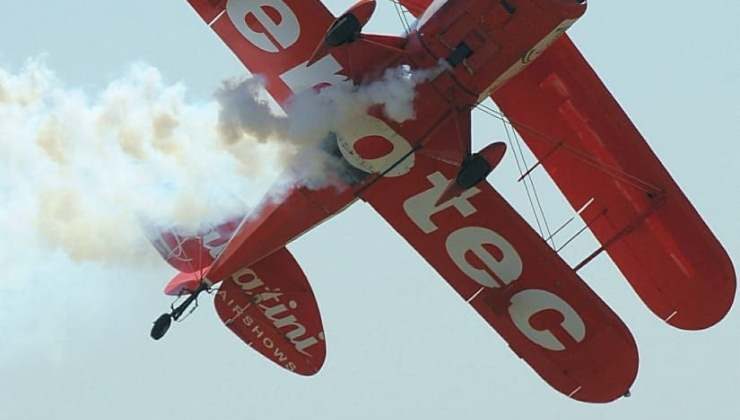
pixel 313 115
pixel 395 92
pixel 78 172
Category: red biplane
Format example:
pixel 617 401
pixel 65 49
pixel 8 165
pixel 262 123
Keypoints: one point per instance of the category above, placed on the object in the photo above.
pixel 424 179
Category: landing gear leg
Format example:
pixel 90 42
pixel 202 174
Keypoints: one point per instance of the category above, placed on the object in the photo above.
pixel 163 323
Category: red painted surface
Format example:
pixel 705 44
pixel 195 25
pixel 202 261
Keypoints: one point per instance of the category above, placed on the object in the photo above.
pixel 416 7
pixel 373 147
pixel 601 367
pixel 208 9
pixel 271 307
pixel 363 10
pixel 476 241
pixel 494 153
pixel 184 283
pixel 592 150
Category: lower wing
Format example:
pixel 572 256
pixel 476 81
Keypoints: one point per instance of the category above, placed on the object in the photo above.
pixel 513 279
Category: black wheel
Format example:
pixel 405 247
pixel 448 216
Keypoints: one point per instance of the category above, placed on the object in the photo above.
pixel 346 29
pixel 161 325
pixel 474 170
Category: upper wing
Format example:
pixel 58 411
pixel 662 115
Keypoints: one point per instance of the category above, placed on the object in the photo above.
pixel 271 37
pixel 416 7
pixel 507 273
pixel 593 151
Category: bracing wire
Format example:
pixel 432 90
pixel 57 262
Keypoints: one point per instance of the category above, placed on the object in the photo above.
pixel 613 171
pixel 402 15
pixel 518 141
pixel 521 173
pixel 511 128
pixel 529 187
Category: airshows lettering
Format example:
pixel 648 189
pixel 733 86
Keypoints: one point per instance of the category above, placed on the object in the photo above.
pixel 258 338
pixel 502 269
pixel 274 315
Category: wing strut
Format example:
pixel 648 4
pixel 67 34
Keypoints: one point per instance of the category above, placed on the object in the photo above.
pixel 530 188
pixel 401 11
pixel 536 204
pixel 611 171
pixel 637 221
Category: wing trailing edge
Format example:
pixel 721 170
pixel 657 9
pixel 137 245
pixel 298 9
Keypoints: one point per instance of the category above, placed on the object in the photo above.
pixel 642 219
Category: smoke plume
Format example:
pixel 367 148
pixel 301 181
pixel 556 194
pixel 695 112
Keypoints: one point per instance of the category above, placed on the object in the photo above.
pixel 314 114
pixel 79 172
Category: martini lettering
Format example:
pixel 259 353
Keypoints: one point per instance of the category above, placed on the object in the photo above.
pixel 274 310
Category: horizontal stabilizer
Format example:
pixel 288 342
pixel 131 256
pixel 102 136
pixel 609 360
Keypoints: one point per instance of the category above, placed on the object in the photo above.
pixel 271 307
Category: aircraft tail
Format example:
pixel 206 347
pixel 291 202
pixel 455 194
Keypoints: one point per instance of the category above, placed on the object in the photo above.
pixel 192 253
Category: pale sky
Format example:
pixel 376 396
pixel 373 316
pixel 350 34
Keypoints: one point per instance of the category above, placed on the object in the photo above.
pixel 400 343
